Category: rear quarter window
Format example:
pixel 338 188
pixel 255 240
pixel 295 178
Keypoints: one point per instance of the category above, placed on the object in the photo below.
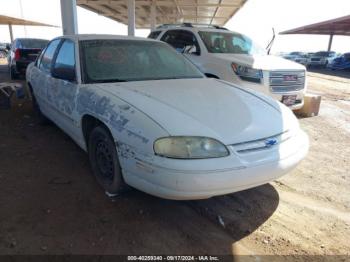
pixel 154 34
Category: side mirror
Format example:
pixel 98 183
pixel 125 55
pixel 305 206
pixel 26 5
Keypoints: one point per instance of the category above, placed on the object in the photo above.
pixel 64 73
pixel 190 49
pixel 8 46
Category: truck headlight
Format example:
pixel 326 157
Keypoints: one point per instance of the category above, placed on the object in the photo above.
pixel 189 147
pixel 247 73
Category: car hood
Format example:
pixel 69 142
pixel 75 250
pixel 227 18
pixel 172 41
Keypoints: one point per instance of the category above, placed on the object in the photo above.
pixel 204 107
pixel 263 62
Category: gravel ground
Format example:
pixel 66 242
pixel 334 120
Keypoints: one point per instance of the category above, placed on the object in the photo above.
pixel 50 203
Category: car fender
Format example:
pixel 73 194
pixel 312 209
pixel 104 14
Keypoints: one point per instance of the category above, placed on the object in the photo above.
pixel 133 131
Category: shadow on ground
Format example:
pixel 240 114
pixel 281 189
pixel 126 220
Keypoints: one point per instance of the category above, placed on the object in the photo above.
pixel 325 71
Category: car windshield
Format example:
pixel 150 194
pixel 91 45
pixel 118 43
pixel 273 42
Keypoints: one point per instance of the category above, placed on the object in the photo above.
pixel 32 43
pixel 229 43
pixel 110 60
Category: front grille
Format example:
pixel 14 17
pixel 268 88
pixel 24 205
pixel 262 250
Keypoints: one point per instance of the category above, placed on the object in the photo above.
pixel 287 81
pixel 262 144
pixel 315 59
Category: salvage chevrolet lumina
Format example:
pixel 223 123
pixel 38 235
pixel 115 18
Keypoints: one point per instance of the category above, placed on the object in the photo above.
pixel 149 119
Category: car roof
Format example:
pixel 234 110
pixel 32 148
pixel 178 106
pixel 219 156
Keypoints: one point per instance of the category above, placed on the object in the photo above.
pixel 193 28
pixel 26 38
pixel 80 37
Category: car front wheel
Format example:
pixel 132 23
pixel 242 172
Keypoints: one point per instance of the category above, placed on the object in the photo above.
pixel 104 161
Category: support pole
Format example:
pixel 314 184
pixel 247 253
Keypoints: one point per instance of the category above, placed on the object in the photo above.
pixel 131 17
pixel 11 33
pixel 330 43
pixel 153 15
pixel 69 17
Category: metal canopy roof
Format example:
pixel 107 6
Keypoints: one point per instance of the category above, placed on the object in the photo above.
pixel 7 20
pixel 216 12
pixel 338 26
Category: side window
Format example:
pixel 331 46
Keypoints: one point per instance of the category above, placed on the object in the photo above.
pixel 169 37
pixel 154 34
pixel 46 59
pixel 179 39
pixel 38 60
pixel 64 67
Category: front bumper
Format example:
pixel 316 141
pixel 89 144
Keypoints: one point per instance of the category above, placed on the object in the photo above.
pixel 21 66
pixel 172 183
pixel 317 63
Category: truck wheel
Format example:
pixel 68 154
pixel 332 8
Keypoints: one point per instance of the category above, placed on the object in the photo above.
pixel 104 161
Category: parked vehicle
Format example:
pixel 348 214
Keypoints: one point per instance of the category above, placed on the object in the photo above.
pixel 321 59
pixel 23 51
pixel 341 63
pixel 150 119
pixel 230 56
pixel 4 48
pixel 298 57
pixel 292 55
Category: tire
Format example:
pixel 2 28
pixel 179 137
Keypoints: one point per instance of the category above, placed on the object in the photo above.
pixel 104 161
pixel 37 112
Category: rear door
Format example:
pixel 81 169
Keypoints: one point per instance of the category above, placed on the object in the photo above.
pixel 41 74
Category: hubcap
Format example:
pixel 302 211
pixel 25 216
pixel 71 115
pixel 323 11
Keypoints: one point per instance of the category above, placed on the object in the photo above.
pixel 104 160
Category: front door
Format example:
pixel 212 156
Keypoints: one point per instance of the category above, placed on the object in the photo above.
pixel 62 91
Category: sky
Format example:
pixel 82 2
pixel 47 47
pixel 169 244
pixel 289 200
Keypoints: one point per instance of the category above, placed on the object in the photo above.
pixel 256 19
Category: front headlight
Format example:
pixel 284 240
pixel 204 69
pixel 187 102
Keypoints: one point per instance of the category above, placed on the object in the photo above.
pixel 247 73
pixel 187 147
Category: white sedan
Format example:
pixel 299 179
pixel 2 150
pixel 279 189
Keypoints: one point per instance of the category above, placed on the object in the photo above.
pixel 149 119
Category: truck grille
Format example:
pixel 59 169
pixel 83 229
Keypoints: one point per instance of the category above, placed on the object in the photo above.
pixel 287 81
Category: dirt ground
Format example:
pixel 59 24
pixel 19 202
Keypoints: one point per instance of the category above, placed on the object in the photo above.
pixel 50 203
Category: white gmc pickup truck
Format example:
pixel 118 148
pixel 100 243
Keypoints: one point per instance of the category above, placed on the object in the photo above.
pixel 233 57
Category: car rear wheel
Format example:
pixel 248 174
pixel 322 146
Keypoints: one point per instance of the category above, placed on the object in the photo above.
pixel 104 161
